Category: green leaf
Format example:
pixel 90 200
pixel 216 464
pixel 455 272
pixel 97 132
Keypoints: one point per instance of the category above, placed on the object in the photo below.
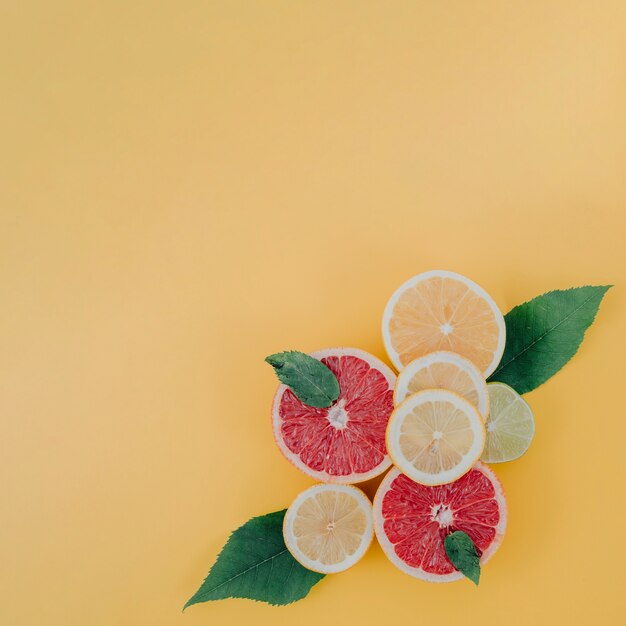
pixel 463 554
pixel 542 335
pixel 256 564
pixel 308 378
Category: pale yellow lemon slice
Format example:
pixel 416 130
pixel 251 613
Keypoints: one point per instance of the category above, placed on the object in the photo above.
pixel 441 310
pixel 328 528
pixel 435 436
pixel 444 370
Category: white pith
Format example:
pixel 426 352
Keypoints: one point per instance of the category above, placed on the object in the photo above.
pixel 466 462
pixel 401 390
pixel 418 572
pixel 442 515
pixel 291 542
pixel 338 416
pixel 325 477
pixel 394 357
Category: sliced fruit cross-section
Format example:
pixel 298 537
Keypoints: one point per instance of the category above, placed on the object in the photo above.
pixel 444 370
pixel 344 443
pixel 440 310
pixel 510 427
pixel 328 528
pixel 412 520
pixel 435 436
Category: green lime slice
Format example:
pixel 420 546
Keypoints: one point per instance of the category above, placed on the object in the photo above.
pixel 510 425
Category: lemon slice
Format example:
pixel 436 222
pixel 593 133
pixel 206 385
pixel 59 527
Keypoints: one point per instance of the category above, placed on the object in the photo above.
pixel 435 436
pixel 328 528
pixel 510 426
pixel 440 310
pixel 444 370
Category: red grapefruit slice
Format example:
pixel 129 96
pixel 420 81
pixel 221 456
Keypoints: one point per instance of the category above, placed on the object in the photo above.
pixel 412 520
pixel 344 443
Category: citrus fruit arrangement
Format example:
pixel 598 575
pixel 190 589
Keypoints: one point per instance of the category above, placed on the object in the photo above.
pixel 342 416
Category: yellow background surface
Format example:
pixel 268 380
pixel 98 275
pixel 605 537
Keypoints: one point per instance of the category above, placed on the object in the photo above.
pixel 186 187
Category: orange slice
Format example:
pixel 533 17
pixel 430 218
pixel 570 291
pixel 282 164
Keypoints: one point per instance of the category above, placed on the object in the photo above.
pixel 441 310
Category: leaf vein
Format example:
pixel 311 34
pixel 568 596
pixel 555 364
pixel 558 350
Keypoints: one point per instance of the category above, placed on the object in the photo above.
pixel 516 356
pixel 256 565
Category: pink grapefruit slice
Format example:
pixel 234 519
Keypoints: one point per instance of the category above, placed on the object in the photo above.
pixel 412 520
pixel 344 443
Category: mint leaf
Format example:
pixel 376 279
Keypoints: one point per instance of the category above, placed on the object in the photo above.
pixel 463 554
pixel 543 334
pixel 256 564
pixel 308 378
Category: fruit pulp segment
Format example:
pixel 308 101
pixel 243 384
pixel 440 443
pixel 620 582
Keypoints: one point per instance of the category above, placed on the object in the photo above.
pixel 435 436
pixel 444 313
pixel 444 376
pixel 348 437
pixel 418 518
pixel 329 527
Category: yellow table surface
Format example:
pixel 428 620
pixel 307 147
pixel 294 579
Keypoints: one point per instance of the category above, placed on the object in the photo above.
pixel 186 187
